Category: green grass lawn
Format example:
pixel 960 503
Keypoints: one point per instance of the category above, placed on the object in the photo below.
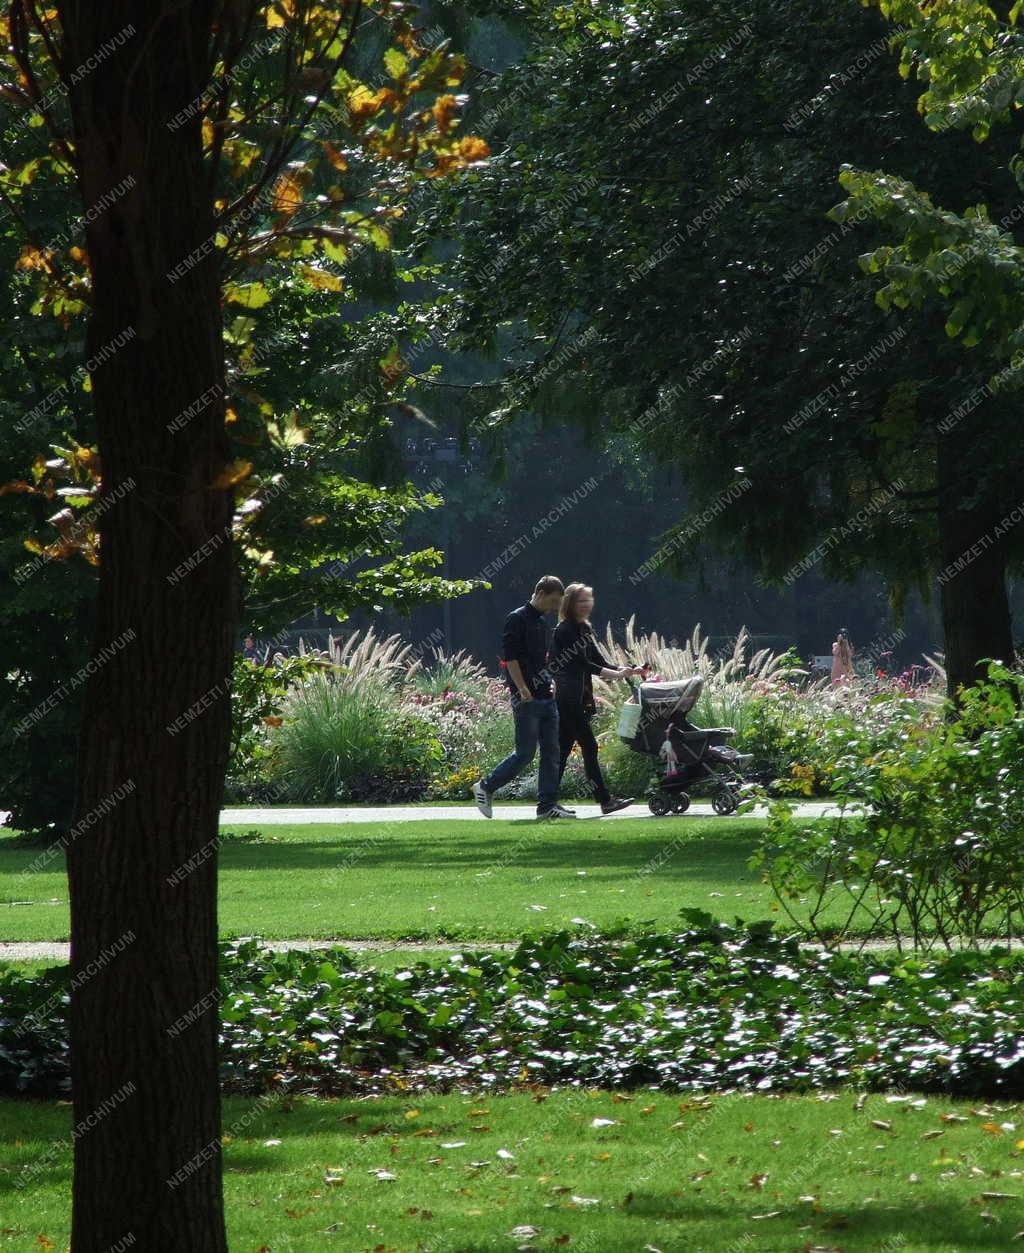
pixel 725 1174
pixel 429 879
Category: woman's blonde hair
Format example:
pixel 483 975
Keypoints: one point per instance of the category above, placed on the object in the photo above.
pixel 567 610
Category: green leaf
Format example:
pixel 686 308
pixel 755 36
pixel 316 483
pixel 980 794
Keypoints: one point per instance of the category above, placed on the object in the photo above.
pixel 396 63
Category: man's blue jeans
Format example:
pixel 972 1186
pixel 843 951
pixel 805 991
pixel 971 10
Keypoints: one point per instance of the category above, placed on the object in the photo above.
pixel 536 723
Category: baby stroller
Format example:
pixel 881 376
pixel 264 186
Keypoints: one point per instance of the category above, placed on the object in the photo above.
pixel 655 722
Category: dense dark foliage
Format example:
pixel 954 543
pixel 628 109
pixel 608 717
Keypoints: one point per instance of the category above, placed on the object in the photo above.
pixel 710 1007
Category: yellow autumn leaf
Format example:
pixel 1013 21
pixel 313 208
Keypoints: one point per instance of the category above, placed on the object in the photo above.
pixel 473 148
pixel 233 473
pixel 444 112
pixel 34 259
pixel 364 103
pixel 318 519
pixel 230 416
pixel 287 195
pixel 279 12
pixel 322 280
pixel 252 295
pixel 334 156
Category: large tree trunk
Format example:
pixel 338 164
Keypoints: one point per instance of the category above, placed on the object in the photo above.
pixel 153 750
pixel 972 571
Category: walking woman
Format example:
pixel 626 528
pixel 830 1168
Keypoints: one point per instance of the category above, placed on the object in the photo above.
pixel 575 659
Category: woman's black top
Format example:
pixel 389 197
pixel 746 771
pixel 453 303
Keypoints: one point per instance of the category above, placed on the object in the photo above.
pixel 575 658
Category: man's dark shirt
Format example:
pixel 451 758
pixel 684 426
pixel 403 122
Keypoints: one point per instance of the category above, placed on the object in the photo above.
pixel 525 639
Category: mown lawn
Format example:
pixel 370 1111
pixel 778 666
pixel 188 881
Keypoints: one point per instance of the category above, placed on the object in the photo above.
pixel 430 879
pixel 459 1174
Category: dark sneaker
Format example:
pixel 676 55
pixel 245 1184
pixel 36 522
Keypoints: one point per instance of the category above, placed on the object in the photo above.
pixel 615 804
pixel 556 811
pixel 482 798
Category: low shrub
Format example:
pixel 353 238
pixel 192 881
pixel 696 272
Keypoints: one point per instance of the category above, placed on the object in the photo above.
pixel 710 1007
pixel 928 842
pixel 258 696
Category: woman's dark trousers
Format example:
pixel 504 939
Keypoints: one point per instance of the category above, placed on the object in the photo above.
pixel 574 728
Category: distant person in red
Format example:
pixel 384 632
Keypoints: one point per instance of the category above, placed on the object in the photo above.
pixel 575 659
pixel 524 648
pixel 842 658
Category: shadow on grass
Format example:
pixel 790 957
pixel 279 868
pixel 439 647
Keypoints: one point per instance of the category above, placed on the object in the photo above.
pixel 668 852
pixel 952 1225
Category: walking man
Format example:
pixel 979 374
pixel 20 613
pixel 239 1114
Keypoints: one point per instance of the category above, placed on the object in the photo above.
pixel 524 649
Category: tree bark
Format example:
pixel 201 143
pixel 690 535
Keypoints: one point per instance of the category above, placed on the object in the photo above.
pixel 976 618
pixel 153 750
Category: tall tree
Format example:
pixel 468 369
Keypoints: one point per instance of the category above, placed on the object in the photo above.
pixel 684 231
pixel 965 264
pixel 192 143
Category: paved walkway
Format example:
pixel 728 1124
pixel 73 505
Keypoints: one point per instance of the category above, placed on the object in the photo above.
pixel 466 812
pixel 470 813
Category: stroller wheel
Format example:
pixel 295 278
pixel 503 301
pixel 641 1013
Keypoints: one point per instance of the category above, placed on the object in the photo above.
pixel 659 804
pixel 682 803
pixel 724 802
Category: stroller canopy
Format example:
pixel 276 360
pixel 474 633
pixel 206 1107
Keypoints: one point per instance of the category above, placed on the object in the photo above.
pixel 678 697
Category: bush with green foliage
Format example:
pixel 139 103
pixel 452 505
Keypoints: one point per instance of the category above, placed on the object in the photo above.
pixel 258 696
pixel 709 1007
pixel 343 741
pixel 929 838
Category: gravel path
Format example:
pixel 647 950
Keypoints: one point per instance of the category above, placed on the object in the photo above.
pixel 55 952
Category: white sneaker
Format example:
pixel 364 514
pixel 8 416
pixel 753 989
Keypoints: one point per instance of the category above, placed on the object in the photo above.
pixel 482 798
